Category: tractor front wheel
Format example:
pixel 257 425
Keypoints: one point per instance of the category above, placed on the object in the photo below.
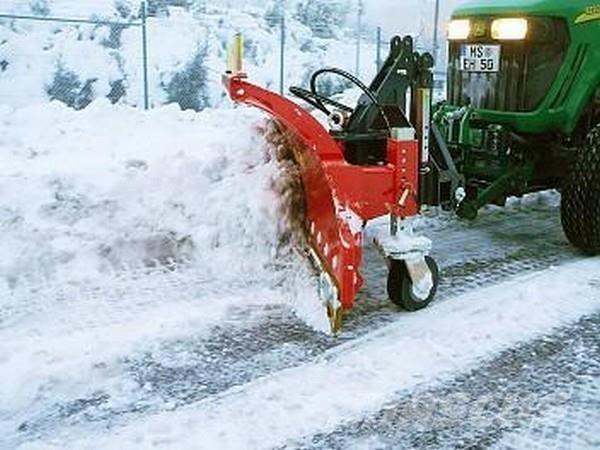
pixel 400 285
pixel 580 204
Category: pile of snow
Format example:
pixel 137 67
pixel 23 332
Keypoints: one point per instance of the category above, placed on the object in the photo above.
pixel 111 188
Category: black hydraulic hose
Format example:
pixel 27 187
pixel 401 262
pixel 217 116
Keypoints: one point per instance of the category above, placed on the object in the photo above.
pixel 354 80
pixel 318 101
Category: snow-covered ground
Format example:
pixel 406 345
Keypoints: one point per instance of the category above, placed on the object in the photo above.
pixel 147 297
pixel 359 377
pixel 98 202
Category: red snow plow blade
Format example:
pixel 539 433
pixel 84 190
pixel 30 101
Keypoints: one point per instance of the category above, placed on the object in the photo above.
pixel 340 197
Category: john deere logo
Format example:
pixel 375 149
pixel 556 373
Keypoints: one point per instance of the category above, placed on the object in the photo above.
pixel 591 13
pixel 479 29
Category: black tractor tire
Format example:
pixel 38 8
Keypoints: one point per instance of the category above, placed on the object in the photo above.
pixel 399 285
pixel 580 204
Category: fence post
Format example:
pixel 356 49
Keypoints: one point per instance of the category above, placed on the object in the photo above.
pixel 282 57
pixel 358 37
pixel 145 54
pixel 378 62
pixel 436 28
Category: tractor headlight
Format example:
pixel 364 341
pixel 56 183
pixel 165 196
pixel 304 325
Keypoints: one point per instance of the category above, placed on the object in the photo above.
pixel 459 29
pixel 509 29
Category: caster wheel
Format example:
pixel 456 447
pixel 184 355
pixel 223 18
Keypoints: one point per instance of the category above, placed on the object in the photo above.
pixel 400 285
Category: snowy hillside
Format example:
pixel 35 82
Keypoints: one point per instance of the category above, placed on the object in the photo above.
pixel 187 47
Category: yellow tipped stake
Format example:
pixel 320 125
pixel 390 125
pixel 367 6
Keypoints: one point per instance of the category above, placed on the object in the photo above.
pixel 235 55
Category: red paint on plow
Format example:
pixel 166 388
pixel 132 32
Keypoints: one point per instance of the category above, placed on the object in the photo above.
pixel 339 194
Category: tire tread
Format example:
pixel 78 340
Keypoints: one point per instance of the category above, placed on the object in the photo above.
pixel 580 205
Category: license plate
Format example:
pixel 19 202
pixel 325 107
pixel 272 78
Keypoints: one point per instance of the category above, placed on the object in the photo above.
pixel 480 58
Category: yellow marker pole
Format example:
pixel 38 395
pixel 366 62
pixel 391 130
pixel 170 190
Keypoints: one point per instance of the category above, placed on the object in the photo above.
pixel 235 55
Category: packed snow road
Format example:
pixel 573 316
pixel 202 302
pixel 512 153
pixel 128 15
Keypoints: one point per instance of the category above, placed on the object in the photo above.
pixel 200 348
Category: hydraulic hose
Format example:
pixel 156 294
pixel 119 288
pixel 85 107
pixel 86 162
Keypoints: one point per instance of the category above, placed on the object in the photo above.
pixel 318 99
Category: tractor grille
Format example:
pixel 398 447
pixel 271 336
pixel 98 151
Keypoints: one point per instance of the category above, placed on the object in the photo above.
pixel 527 70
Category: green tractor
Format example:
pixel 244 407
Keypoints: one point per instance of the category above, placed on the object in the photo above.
pixel 523 110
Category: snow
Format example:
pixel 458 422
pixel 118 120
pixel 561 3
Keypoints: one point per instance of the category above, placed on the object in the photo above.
pixel 116 187
pixel 310 308
pixel 132 236
pixel 405 244
pixel 125 229
pixel 357 378
pixel 114 190
pixel 107 212
pixel 69 356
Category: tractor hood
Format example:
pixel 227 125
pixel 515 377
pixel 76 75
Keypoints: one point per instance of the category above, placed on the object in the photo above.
pixel 569 9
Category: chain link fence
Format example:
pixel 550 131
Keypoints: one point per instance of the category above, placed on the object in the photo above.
pixel 73 59
pixel 156 52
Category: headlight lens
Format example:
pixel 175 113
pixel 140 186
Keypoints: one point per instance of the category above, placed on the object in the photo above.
pixel 509 29
pixel 459 29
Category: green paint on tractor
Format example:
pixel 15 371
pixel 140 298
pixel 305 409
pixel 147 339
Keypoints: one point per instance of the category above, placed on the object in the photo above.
pixel 519 109
pixel 578 76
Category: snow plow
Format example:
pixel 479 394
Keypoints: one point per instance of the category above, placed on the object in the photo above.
pixel 522 115
pixel 367 165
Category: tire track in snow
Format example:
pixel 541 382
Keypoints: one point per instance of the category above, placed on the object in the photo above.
pixel 235 350
pixel 67 360
pixel 487 406
pixel 357 378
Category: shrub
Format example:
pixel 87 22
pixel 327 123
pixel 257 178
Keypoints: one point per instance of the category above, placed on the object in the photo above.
pixel 40 7
pixel 321 16
pixel 161 7
pixel 332 85
pixel 188 88
pixel 117 91
pixel 114 37
pixel 274 13
pixel 69 89
pixel 123 8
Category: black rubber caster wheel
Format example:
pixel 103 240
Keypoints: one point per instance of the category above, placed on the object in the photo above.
pixel 400 286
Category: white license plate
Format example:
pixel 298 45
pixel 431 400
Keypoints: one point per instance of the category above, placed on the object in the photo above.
pixel 480 58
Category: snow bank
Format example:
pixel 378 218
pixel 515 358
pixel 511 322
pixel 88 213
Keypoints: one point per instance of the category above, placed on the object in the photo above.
pixel 87 194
